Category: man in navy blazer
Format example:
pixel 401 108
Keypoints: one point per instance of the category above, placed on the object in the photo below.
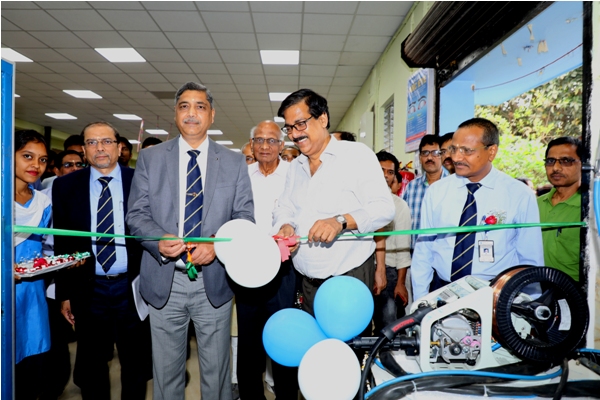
pixel 157 208
pixel 97 299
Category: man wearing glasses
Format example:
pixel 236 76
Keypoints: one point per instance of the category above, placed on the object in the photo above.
pixel 562 204
pixel 477 194
pixel 97 297
pixel 334 187
pixel 431 162
pixel 256 306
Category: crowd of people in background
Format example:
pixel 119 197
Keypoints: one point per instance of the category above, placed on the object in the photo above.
pixel 324 185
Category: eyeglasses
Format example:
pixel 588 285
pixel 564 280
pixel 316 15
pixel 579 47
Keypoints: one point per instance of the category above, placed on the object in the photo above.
pixel 249 159
pixel 104 142
pixel 465 150
pixel 565 161
pixel 300 126
pixel 74 164
pixel 434 153
pixel 271 142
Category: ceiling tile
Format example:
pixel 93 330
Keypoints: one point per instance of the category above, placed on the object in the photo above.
pixel 255 96
pixel 349 81
pixel 140 68
pixel 276 6
pixel 230 103
pixel 204 56
pixel 153 55
pixel 317 70
pixel 375 25
pixel 84 78
pixel 350 58
pixel 51 78
pixel 103 39
pixel 289 88
pixel 323 42
pixel 175 67
pixel 129 20
pixel 248 69
pixel 209 68
pixel 116 78
pixel 149 40
pixel 179 79
pixel 374 44
pixel 327 24
pixel 43 55
pixel 343 70
pixel 159 87
pixel 252 88
pixel 222 5
pixel 100 67
pixel 235 41
pixel 32 20
pixel 282 80
pixel 169 5
pixel 322 90
pixel 19 5
pixel 148 78
pixel 64 67
pixel 240 56
pixel 60 40
pixel 277 23
pixel 387 8
pixel 81 20
pixel 330 7
pixel 229 96
pixel 186 40
pixel 58 5
pixel 319 57
pixel 31 68
pixel 248 79
pixel 179 21
pixel 19 40
pixel 315 80
pixel 129 87
pixel 214 78
pixel 228 22
pixel 216 88
pixel 275 41
pixel 82 55
pixel 9 26
pixel 344 90
pixel 282 69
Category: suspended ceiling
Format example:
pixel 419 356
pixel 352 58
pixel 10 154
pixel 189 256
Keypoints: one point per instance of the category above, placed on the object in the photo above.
pixel 216 43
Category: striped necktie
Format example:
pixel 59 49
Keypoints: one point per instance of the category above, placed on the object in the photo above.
pixel 194 198
pixel 462 259
pixel 105 247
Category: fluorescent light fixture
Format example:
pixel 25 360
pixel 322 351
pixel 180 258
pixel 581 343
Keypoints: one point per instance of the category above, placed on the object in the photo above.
pixel 288 144
pixel 14 56
pixel 278 96
pixel 60 116
pixel 279 119
pixel 280 57
pixel 236 150
pixel 16 95
pixel 134 141
pixel 225 142
pixel 214 132
pixel 128 117
pixel 157 131
pixel 126 54
pixel 83 94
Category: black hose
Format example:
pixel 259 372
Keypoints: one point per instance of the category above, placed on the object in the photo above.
pixel 367 368
pixel 563 380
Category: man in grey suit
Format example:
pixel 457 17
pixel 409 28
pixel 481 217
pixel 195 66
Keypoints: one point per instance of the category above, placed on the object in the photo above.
pixel 159 205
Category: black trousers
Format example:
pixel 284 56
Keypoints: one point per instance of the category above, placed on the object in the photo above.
pixel 111 318
pixel 254 308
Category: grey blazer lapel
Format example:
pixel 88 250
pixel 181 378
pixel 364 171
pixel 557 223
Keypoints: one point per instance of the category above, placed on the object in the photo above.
pixel 212 167
pixel 171 160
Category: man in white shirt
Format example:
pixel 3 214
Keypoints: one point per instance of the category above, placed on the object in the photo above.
pixel 256 305
pixel 334 187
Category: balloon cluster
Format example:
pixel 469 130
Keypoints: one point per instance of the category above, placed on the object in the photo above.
pixel 328 368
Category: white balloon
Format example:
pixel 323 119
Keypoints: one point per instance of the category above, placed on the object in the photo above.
pixel 329 371
pixel 252 258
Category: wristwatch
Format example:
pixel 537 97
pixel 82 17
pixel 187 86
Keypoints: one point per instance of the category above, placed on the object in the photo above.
pixel 340 218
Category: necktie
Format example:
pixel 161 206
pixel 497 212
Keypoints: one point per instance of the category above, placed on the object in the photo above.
pixel 194 197
pixel 105 247
pixel 462 259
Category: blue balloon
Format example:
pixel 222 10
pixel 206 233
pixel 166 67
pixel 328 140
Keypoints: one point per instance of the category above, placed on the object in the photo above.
pixel 343 307
pixel 288 335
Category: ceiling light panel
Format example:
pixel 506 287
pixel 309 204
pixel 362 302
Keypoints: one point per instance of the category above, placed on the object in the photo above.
pixel 157 131
pixel 14 56
pixel 280 57
pixel 225 142
pixel 128 117
pixel 60 116
pixel 116 55
pixel 214 132
pixel 278 96
pixel 83 94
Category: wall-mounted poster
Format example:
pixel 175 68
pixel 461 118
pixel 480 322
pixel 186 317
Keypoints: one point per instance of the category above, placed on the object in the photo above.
pixel 421 101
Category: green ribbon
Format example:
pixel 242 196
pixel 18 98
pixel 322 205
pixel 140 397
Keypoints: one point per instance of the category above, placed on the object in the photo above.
pixel 429 231
pixel 191 270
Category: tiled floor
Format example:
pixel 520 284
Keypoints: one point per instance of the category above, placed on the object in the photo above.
pixel 192 391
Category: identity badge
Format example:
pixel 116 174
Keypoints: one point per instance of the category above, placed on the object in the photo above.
pixel 486 251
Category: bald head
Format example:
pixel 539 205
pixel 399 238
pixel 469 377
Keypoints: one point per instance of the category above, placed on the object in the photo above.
pixel 267 142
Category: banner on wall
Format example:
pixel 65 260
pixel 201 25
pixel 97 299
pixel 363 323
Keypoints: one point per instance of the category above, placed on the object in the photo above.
pixel 421 102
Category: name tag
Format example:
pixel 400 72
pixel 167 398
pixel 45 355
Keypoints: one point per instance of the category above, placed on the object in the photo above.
pixel 486 251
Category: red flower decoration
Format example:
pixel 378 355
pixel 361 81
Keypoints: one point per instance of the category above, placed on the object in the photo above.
pixel 491 220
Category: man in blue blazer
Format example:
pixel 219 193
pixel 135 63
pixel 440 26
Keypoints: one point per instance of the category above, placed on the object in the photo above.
pixel 163 203
pixel 97 296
